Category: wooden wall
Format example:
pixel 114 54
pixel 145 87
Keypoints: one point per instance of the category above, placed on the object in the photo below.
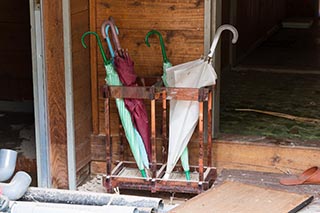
pixel 56 103
pixel 180 22
pixel 55 82
pixel 81 85
pixel 15 51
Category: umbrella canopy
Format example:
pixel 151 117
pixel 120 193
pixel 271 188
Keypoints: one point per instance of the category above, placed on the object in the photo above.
pixel 165 65
pixel 134 141
pixel 184 114
pixel 125 69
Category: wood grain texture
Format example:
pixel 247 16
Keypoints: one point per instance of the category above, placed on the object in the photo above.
pixel 180 22
pixel 54 62
pixel 94 69
pixel 239 197
pixel 81 85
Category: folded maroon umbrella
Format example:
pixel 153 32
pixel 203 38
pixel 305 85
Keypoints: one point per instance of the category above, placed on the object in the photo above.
pixel 125 69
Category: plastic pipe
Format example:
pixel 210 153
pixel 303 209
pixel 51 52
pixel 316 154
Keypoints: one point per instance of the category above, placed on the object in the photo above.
pixel 8 160
pixel 33 207
pixel 17 186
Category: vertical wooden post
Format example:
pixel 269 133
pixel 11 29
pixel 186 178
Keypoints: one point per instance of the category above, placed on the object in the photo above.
pixel 153 138
pixel 107 130
pixel 55 82
pixel 201 138
pixel 164 128
pixel 209 129
pixel 94 70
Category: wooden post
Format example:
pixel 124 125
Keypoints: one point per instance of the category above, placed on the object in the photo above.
pixel 153 138
pixel 107 130
pixel 201 138
pixel 164 128
pixel 55 82
pixel 209 129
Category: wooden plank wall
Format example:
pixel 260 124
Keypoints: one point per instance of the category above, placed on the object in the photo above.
pixel 180 22
pixel 81 85
pixel 255 18
pixel 15 51
pixel 54 62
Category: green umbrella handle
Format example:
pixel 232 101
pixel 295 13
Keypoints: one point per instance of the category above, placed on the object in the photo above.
pixel 163 49
pixel 105 60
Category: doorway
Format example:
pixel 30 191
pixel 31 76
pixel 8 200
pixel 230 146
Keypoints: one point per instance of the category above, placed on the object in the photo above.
pixel 17 129
pixel 270 84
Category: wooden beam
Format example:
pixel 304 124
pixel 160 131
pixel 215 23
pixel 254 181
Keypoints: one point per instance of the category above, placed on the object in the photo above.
pixel 94 69
pixel 56 105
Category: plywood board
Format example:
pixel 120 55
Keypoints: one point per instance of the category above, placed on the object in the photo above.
pixel 239 197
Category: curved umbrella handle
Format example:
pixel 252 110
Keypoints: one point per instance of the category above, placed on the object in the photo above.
pixel 218 34
pixel 115 38
pixel 106 31
pixel 105 60
pixel 163 49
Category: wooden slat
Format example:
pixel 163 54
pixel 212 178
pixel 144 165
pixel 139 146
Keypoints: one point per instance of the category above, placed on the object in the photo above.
pixel 239 197
pixel 54 55
pixel 94 69
pixel 81 84
pixel 260 156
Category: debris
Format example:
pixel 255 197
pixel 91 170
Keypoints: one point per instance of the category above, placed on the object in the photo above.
pixel 283 115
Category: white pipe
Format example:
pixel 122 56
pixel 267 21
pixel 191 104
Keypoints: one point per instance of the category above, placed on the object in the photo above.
pixel 8 160
pixel 33 207
pixel 17 186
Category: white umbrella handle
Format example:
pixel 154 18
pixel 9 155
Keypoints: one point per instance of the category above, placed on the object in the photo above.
pixel 218 34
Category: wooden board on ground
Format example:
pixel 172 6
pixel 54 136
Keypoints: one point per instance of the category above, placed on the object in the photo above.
pixel 239 197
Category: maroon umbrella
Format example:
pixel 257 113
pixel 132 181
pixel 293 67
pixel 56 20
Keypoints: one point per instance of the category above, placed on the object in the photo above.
pixel 125 69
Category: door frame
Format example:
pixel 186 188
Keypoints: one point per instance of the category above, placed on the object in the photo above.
pixel 40 95
pixel 212 20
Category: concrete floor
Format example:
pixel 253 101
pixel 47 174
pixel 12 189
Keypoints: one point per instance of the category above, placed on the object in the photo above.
pixel 282 75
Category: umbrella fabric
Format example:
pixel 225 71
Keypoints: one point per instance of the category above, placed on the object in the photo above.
pixel 133 137
pixel 184 114
pixel 125 69
pixel 165 65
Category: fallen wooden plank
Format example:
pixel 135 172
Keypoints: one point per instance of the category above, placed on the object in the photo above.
pixel 239 197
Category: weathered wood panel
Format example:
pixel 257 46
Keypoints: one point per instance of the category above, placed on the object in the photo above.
pixel 15 51
pixel 180 22
pixel 239 152
pixel 81 84
pixel 56 105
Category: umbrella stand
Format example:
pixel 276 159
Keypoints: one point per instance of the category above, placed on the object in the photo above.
pixel 202 176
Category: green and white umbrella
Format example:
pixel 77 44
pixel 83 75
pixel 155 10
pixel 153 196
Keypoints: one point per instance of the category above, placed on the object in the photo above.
pixel 133 137
pixel 184 114
pixel 166 64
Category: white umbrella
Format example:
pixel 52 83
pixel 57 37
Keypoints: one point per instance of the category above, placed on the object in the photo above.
pixel 184 114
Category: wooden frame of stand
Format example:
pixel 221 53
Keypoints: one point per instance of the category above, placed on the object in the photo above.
pixel 207 174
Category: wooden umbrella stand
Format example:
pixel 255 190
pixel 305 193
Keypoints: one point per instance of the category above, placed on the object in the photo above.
pixel 125 174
